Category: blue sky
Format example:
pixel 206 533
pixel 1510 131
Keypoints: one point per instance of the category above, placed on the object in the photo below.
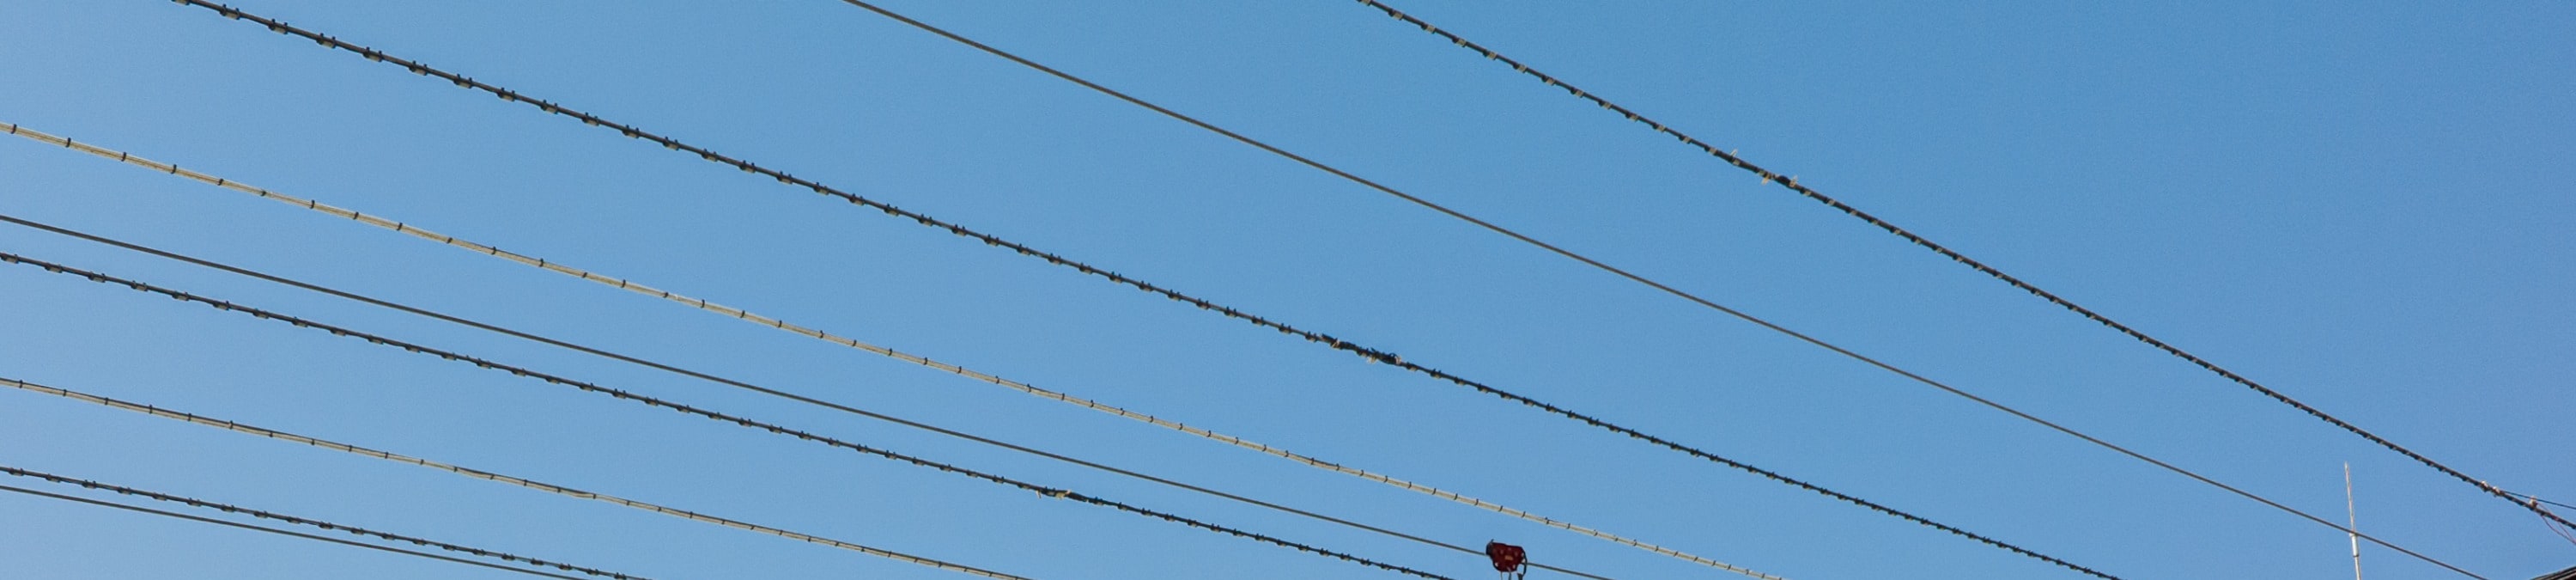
pixel 2360 205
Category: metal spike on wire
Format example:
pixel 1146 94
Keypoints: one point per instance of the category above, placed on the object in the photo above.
pixel 760 389
pixel 308 522
pixel 451 468
pixel 702 304
pixel 1810 193
pixel 1053 492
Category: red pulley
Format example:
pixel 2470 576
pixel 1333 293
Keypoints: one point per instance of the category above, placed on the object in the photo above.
pixel 1507 558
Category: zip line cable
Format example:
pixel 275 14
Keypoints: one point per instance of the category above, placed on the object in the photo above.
pixel 1791 182
pixel 282 532
pixel 1367 353
pixel 269 515
pixel 1054 492
pixel 558 267
pixel 468 472
pixel 764 390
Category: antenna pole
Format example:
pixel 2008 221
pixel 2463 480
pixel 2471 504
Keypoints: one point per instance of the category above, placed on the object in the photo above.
pixel 2352 523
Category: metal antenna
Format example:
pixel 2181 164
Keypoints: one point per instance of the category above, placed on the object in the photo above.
pixel 2352 523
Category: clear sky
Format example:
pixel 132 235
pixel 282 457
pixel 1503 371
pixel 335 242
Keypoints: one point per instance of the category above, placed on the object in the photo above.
pixel 2361 204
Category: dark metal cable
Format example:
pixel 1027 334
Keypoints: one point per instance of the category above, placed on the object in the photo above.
pixel 1055 492
pixel 284 532
pixel 2554 527
pixel 2530 497
pixel 1364 352
pixel 490 476
pixel 801 330
pixel 756 388
pixel 1390 358
pixel 1791 182
pixel 269 515
pixel 1369 353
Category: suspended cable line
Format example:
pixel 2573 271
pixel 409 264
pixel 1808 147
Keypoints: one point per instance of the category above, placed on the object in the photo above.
pixel 702 304
pixel 468 472
pixel 1365 352
pixel 1368 353
pixel 2554 527
pixel 283 532
pixel 269 515
pixel 1792 184
pixel 2529 497
pixel 1391 358
pixel 1054 492
pixel 765 390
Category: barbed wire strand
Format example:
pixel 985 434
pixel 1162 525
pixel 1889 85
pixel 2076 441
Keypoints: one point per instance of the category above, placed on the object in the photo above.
pixel 1054 492
pixel 702 304
pixel 1791 182
pixel 269 515
pixel 474 473
pixel 283 532
pixel 756 388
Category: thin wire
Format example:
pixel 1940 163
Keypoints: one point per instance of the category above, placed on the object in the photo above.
pixel 756 388
pixel 2554 527
pixel 1367 353
pixel 2530 497
pixel 1383 356
pixel 702 304
pixel 283 532
pixel 474 473
pixel 1791 182
pixel 269 515
pixel 1055 492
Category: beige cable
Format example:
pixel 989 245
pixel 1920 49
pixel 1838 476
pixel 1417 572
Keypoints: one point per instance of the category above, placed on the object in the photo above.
pixel 738 313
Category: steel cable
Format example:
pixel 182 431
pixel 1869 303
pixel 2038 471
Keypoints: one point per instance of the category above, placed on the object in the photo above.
pixel 1373 354
pixel 486 475
pixel 269 515
pixel 1791 182
pixel 702 304
pixel 283 532
pixel 1054 492
pixel 760 389
pixel 1391 358
pixel 1364 352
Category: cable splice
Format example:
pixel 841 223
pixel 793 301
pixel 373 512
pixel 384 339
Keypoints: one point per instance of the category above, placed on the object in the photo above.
pixel 702 304
pixel 1810 193
pixel 757 389
pixel 269 515
pixel 335 330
